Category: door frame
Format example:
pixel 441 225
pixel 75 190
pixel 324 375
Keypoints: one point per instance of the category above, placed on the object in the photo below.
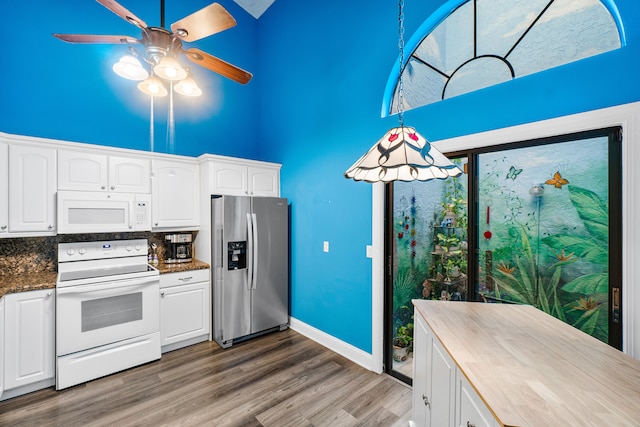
pixel 626 116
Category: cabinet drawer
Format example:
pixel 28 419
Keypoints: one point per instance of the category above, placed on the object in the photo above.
pixel 184 277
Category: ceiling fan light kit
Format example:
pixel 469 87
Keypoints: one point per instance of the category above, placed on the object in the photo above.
pixel 130 68
pixel 163 47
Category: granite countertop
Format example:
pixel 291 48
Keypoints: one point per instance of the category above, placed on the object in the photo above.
pixel 24 282
pixel 27 282
pixel 182 266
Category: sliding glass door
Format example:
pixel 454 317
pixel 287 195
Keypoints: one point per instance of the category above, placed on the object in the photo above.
pixel 532 222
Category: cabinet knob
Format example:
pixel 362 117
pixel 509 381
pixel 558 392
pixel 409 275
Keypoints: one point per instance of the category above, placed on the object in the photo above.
pixel 4 227
pixel 162 293
pixel 113 187
pixel 425 399
pixel 103 187
pixel 49 294
pixel 50 227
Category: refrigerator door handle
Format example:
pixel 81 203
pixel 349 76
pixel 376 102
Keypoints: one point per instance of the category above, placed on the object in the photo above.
pixel 250 253
pixel 254 240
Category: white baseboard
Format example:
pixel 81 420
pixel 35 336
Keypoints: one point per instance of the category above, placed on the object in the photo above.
pixel 352 353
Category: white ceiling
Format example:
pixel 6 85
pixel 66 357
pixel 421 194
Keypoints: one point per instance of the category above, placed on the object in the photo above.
pixel 255 7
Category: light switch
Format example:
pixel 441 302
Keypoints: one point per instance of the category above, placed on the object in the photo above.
pixel 326 246
pixel 369 251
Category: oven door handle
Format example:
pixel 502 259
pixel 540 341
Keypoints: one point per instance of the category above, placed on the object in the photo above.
pixel 108 286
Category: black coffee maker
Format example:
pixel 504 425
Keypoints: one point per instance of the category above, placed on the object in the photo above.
pixel 179 248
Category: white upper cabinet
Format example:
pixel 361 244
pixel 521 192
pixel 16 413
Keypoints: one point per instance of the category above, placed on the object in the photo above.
pixel 244 178
pixel 32 193
pixel 129 175
pixel 175 194
pixel 4 188
pixel 82 171
pixel 87 171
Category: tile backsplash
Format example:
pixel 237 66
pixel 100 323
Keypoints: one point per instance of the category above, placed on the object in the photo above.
pixel 40 254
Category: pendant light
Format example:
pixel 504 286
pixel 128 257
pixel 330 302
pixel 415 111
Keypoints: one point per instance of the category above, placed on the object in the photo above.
pixel 402 154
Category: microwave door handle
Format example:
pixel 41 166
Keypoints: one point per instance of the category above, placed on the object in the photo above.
pixel 131 214
pixel 133 283
pixel 254 251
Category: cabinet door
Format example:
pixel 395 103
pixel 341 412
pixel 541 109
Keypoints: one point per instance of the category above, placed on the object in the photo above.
pixel 82 171
pixel 4 188
pixel 263 182
pixel 443 386
pixel 32 190
pixel 175 194
pixel 471 410
pixel 422 342
pixel 2 346
pixel 184 312
pixel 229 178
pixel 29 337
pixel 129 175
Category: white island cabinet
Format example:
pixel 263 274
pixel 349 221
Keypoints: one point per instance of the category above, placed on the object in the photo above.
pixel 29 342
pixel 515 365
pixel 175 190
pixel 184 308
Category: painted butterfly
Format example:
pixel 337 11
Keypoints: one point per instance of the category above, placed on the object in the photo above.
pixel 513 173
pixel 558 181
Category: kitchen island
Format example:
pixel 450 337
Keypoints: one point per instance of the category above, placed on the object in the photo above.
pixel 525 367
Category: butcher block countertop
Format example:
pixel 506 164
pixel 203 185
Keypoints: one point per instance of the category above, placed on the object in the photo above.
pixel 532 369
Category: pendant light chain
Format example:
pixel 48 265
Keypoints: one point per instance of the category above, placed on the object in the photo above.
pixel 401 48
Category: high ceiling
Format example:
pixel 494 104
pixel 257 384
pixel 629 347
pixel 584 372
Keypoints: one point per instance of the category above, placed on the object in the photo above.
pixel 255 7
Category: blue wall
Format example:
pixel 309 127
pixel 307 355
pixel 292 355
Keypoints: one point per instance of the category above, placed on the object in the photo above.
pixel 52 89
pixel 314 105
pixel 327 64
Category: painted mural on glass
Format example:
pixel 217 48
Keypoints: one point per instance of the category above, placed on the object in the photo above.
pixel 430 245
pixel 544 230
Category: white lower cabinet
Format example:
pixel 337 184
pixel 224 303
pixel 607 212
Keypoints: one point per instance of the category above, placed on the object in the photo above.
pixel 442 396
pixel 471 410
pixel 184 309
pixel 29 341
pixel 434 380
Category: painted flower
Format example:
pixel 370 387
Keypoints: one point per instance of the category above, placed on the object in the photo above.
pixel 506 268
pixel 587 304
pixel 562 256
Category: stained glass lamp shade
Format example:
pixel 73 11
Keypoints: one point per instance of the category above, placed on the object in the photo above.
pixel 402 154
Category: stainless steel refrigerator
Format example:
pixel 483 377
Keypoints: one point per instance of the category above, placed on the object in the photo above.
pixel 250 261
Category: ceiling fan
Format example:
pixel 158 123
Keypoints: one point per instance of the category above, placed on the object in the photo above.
pixel 163 46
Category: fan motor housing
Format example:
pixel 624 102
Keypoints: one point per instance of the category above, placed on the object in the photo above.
pixel 158 42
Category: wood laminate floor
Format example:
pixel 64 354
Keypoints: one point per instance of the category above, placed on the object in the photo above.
pixel 278 380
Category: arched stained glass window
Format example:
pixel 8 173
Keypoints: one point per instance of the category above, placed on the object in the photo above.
pixel 467 45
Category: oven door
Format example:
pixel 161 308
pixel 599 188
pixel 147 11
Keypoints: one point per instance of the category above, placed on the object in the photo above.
pixel 92 315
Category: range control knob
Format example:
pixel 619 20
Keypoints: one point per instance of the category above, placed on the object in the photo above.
pixel 70 251
pixel 82 251
pixel 128 248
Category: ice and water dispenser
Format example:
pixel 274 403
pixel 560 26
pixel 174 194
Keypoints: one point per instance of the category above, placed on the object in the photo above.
pixel 237 254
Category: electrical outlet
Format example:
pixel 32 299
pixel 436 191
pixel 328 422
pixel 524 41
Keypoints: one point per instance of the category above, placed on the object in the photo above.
pixel 326 246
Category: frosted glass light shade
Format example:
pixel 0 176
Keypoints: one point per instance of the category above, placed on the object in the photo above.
pixel 153 86
pixel 402 154
pixel 130 68
pixel 188 87
pixel 169 68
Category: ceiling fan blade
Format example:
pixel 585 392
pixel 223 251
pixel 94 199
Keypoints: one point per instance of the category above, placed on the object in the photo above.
pixel 123 12
pixel 88 38
pixel 219 66
pixel 208 20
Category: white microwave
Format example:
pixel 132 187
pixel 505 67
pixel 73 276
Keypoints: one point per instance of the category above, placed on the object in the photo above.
pixel 99 212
